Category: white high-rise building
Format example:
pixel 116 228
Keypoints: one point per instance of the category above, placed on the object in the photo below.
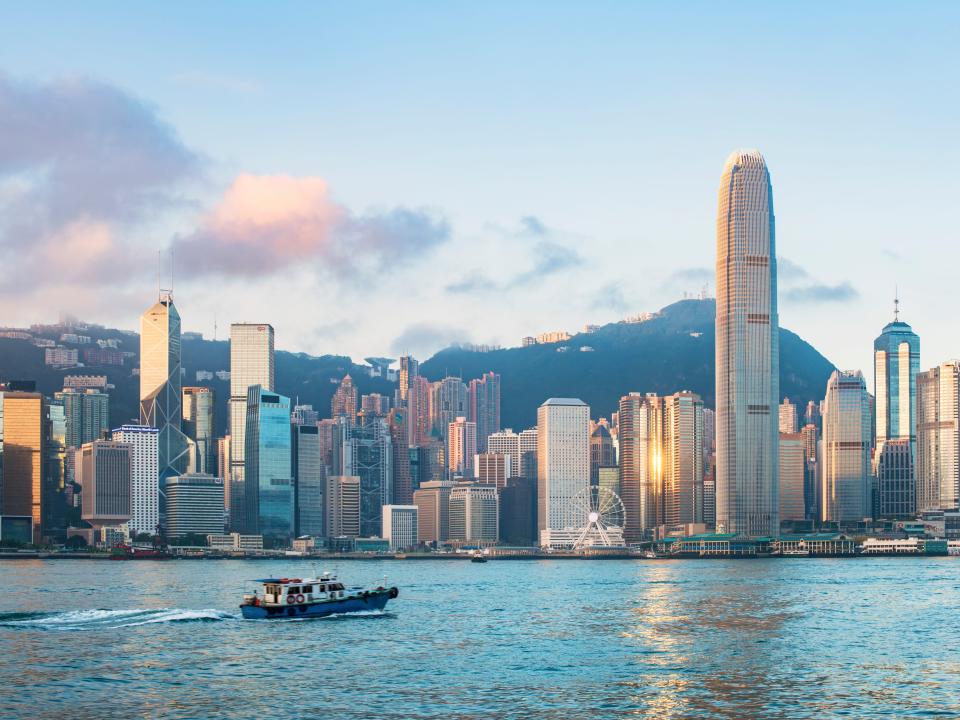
pixel 938 437
pixel 846 473
pixel 251 363
pixel 521 448
pixel 144 485
pixel 563 469
pixel 400 526
pixel 747 350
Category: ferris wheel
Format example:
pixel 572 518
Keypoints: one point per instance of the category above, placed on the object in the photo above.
pixel 605 517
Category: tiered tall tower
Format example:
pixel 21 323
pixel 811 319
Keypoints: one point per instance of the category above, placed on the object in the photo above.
pixel 747 350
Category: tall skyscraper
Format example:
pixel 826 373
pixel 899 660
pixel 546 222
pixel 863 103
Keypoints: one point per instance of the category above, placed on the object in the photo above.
pixel 402 478
pixel 160 383
pixel 938 437
pixel 640 428
pixel 365 451
pixel 846 472
pixel 484 407
pixel 418 412
pixel 682 459
pixel 747 350
pixel 344 400
pixel 896 356
pixel 563 469
pixel 198 426
pixel 343 506
pixel 251 363
pixel 144 474
pixel 310 478
pixel 268 482
pixel 461 447
pixel 22 453
pixel 474 514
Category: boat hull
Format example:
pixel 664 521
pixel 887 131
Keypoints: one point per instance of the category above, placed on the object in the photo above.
pixel 374 600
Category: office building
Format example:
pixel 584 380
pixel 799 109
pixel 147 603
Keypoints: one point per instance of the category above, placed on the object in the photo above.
pixel 343 506
pixel 144 473
pixel 521 448
pixel 103 471
pixel 194 505
pixel 518 512
pixel 366 451
pixel 23 449
pixel 896 355
pixel 483 396
pixel 409 372
pixel 310 477
pixel 474 515
pixel 792 478
pixel 845 472
pixel 747 350
pixel 160 384
pixel 268 483
pixel 87 414
pixel 432 499
pixel 788 417
pixel 304 415
pixel 491 469
pixel 400 526
pixel 896 484
pixel 938 438
pixel 198 426
pixel 251 363
pixel 563 469
pixel 461 447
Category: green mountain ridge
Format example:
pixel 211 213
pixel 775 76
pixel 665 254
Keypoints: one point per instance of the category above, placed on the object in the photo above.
pixel 672 351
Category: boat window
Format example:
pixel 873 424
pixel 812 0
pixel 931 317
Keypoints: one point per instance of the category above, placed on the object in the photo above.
pixel 322 588
pixel 307 589
pixel 292 590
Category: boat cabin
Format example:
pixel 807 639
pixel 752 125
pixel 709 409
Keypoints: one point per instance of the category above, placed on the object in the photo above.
pixel 290 591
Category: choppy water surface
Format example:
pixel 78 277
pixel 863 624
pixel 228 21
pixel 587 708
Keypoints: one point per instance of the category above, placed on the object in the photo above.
pixel 547 639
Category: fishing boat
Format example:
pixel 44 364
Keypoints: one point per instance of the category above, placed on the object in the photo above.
pixel 283 598
pixel 478 558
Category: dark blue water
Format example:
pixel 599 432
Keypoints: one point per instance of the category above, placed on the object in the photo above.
pixel 547 639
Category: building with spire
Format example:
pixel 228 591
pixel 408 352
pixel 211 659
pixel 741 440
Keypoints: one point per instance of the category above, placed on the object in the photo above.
pixel 896 363
pixel 747 350
pixel 160 385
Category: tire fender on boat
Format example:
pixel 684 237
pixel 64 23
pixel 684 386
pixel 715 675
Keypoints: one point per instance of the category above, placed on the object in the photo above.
pixel 394 592
pixel 300 599
pixel 291 599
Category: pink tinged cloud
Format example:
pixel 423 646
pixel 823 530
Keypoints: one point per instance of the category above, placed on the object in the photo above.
pixel 267 223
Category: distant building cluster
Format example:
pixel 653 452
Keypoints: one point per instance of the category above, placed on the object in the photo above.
pixel 430 466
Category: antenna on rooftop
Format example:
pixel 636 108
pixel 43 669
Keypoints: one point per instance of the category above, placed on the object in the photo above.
pixel 896 304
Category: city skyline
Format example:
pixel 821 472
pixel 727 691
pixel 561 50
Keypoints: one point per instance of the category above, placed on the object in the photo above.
pixel 569 248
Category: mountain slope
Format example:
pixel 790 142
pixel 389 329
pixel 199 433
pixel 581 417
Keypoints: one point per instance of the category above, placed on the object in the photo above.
pixel 671 352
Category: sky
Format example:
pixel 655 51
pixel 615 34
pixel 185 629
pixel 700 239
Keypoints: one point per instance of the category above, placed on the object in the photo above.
pixel 389 178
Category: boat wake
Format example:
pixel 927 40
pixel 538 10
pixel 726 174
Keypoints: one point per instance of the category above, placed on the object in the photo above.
pixel 108 619
pixel 355 615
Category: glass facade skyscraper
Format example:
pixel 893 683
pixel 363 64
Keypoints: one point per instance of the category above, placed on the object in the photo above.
pixel 896 362
pixel 747 350
pixel 160 383
pixel 198 407
pixel 251 363
pixel 268 477
pixel 845 485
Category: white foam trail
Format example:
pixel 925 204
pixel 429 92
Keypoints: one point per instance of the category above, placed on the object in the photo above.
pixel 93 619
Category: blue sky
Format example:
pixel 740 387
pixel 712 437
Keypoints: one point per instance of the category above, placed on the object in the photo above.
pixel 508 168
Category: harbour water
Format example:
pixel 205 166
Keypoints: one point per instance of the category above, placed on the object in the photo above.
pixel 547 639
